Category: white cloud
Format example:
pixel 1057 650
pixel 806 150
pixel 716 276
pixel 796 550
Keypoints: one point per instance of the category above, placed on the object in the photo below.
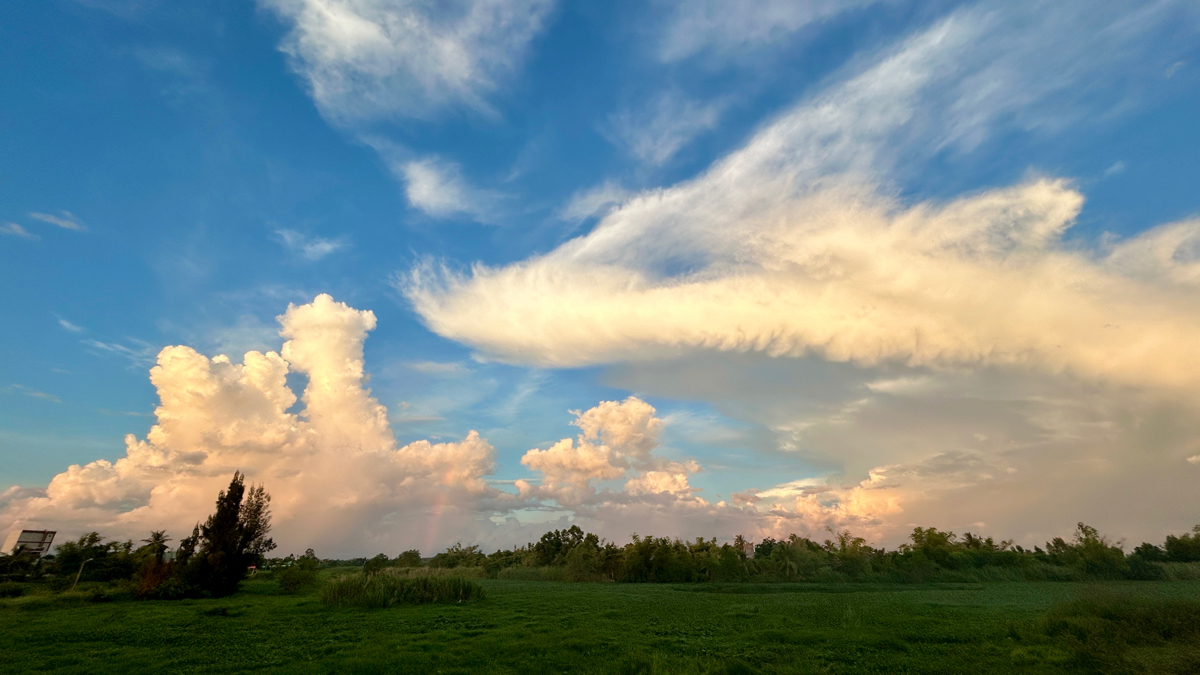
pixel 616 441
pixel 334 471
pixel 1116 168
pixel 726 27
pixel 596 200
pixel 439 369
pixel 33 393
pixel 964 353
pixel 653 136
pixel 787 248
pixel 17 231
pixel 437 188
pixel 67 325
pixel 311 248
pixel 138 353
pixel 370 59
pixel 64 219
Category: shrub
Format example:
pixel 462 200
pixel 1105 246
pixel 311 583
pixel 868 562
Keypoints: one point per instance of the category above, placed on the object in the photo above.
pixel 300 572
pixel 173 588
pixel 294 578
pixel 11 590
pixel 385 590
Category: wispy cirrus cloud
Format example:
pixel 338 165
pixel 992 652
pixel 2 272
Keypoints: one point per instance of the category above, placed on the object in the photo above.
pixel 594 201
pixel 311 247
pixel 32 393
pixel 664 127
pixel 960 350
pixel 438 188
pixel 16 230
pixel 137 352
pixel 68 326
pixel 372 59
pixel 724 28
pixel 794 215
pixel 366 61
pixel 63 219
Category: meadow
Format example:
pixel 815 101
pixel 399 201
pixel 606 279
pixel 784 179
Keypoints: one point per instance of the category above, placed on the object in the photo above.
pixel 552 627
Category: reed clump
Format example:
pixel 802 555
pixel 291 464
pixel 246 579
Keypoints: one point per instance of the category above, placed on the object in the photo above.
pixel 386 590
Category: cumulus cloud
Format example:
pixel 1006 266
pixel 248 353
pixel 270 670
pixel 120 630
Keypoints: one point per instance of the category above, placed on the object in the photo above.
pixel 334 470
pixel 616 441
pixel 371 59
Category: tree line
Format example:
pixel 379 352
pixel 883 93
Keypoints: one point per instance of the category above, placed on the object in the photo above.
pixel 929 555
pixel 234 541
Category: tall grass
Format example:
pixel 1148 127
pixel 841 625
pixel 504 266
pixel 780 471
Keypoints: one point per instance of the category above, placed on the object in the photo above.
pixel 1177 571
pixel 385 590
pixel 522 573
pixel 416 572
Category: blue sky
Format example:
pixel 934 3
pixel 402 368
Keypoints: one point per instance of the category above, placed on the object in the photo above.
pixel 178 173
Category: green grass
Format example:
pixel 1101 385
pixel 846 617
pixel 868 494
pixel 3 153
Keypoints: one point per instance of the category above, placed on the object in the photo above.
pixel 548 627
pixel 377 591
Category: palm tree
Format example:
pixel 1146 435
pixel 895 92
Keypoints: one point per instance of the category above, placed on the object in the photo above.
pixel 158 544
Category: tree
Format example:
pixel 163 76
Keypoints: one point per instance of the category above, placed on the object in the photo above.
pixel 411 558
pixel 233 538
pixel 1185 548
pixel 376 565
pixel 157 543
pixel 187 547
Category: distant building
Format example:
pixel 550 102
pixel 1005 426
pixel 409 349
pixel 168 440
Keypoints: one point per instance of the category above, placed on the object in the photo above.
pixel 37 541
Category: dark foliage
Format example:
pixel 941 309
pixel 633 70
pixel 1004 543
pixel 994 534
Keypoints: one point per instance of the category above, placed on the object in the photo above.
pixel 232 539
pixel 930 555
pixel 296 573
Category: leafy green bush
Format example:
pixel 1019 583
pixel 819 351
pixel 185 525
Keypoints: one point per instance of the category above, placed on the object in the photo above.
pixel 173 588
pixel 300 572
pixel 385 590
pixel 294 578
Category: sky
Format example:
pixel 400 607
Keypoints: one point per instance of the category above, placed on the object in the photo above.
pixel 468 271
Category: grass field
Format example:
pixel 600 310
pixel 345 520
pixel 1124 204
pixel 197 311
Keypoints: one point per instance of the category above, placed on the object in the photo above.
pixel 547 627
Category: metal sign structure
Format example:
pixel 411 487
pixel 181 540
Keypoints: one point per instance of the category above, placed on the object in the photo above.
pixel 36 541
